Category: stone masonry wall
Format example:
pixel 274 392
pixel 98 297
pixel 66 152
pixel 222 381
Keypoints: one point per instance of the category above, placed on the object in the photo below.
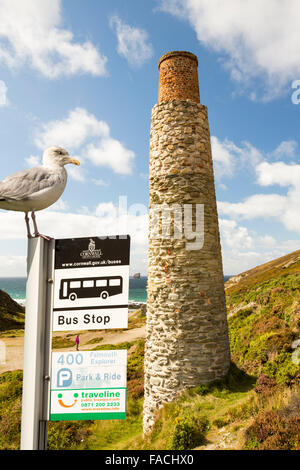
pixel 186 333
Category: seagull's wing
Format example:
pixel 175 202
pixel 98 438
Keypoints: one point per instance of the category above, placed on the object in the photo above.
pixel 25 183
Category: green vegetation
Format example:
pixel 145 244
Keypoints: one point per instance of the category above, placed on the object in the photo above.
pixel 276 429
pixel 261 336
pixel 60 342
pixel 108 347
pixel 11 313
pixel 61 435
pixel 12 333
pixel 256 406
pixel 95 340
pixel 181 424
pixel 136 320
pixel 10 409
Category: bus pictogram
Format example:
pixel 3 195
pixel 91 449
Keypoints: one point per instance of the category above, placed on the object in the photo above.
pixel 90 287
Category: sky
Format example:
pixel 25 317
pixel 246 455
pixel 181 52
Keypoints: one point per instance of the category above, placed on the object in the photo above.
pixel 84 75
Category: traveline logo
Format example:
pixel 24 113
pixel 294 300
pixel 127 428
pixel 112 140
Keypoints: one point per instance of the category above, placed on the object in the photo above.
pixel 64 377
pixel 91 252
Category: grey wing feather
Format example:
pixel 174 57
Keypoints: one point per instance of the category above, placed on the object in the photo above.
pixel 23 184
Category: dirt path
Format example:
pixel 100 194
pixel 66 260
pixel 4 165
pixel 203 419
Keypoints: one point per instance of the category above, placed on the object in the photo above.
pixel 12 354
pixel 222 439
pixel 14 347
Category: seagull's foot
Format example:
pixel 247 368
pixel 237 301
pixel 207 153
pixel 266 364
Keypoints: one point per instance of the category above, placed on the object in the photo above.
pixel 45 237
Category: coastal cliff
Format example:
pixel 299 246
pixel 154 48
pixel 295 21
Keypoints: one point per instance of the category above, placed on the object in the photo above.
pixel 12 314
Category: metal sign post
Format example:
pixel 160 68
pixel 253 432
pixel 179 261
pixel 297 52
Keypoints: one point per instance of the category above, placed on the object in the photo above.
pixel 37 344
pixel 73 284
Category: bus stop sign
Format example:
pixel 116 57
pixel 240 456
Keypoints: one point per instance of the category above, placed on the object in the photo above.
pixel 91 283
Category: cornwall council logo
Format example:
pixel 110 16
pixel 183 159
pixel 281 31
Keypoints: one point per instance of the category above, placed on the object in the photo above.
pixel 91 252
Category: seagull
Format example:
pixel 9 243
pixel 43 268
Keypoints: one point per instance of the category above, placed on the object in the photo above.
pixel 36 188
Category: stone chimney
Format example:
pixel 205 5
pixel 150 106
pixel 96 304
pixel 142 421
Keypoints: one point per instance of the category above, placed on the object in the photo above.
pixel 186 333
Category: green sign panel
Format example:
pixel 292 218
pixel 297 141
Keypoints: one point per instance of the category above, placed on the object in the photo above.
pixel 88 385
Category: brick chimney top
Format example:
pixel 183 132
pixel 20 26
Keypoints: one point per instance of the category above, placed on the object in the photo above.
pixel 178 77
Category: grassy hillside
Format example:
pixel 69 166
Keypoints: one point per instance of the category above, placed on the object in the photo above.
pixel 257 406
pixel 264 319
pixel 264 329
pixel 11 313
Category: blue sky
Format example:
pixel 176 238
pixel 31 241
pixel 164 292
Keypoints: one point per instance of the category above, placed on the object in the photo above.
pixel 84 75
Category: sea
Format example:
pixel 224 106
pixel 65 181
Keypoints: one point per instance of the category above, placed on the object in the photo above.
pixel 16 288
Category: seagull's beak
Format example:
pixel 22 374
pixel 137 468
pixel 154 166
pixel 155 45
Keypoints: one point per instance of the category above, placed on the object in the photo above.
pixel 74 161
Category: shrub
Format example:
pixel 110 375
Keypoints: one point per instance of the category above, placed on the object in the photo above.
pixel 221 421
pixel 265 385
pixel 282 369
pixel 202 389
pixel 293 407
pixel 67 435
pixel 135 388
pixel 188 432
pixel 270 431
pixel 134 407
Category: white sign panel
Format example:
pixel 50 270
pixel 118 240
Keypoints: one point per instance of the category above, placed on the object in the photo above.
pixel 91 283
pixel 88 385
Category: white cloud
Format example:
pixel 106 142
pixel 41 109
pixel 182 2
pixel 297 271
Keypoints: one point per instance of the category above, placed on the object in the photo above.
pixel 82 133
pixel 258 205
pixel 278 173
pixel 285 149
pixel 105 219
pixel 3 94
pixel 76 173
pixel 132 42
pixel 33 160
pixel 242 251
pixel 281 207
pixel 12 266
pixel 31 32
pixel 267 241
pixel 227 157
pixel 236 261
pixel 223 157
pixel 72 131
pixel 111 153
pixel 144 176
pixel 284 175
pixel 235 236
pixel 242 248
pixel 60 205
pixel 254 38
pixel 99 182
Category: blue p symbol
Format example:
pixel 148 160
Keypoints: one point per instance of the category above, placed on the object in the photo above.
pixel 64 377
